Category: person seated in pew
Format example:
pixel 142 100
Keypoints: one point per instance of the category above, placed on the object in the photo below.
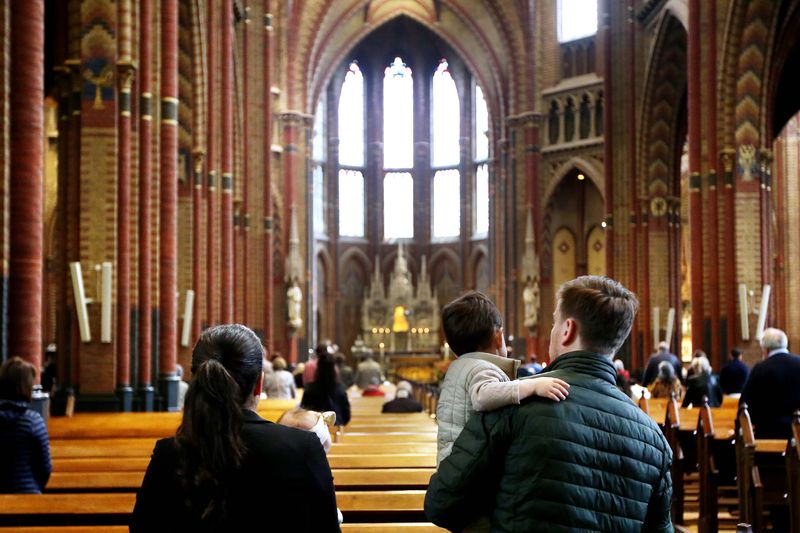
pixel 667 383
pixel 326 393
pixel 24 445
pixel 733 375
pixel 662 354
pixel 595 462
pixel 227 468
pixel 772 391
pixel 373 389
pixel 701 382
pixel 402 402
pixel 280 382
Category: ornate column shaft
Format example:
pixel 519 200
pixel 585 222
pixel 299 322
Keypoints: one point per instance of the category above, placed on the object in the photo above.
pixel 168 226
pixel 728 157
pixel 718 350
pixel 145 379
pixel 212 251
pixel 125 72
pixel 244 220
pixel 226 160
pixel 268 281
pixel 26 184
pixel 695 183
pixel 608 145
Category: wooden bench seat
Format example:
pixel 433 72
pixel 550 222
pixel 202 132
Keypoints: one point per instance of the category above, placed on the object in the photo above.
pixel 139 464
pixel 394 527
pixel 342 478
pixel 143 447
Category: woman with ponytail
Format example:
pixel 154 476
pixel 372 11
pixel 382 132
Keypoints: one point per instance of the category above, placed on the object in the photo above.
pixel 227 468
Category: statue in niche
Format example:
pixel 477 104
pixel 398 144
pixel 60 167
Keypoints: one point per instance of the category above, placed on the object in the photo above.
pixel 530 298
pixel 294 297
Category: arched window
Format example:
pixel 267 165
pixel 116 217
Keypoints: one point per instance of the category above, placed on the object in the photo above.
pixel 351 154
pixel 576 19
pixel 398 151
pixel 481 164
pixel 446 155
pixel 318 160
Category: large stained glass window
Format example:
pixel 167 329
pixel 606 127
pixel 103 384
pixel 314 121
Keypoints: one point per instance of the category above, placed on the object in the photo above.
pixel 481 203
pixel 351 203
pixel 398 151
pixel 318 160
pixel 351 154
pixel 446 154
pixel 398 205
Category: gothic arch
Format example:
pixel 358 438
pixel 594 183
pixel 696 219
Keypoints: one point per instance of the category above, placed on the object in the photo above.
pixel 479 253
pixel 590 167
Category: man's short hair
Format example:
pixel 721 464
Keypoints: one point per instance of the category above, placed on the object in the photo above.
pixel 603 309
pixel 773 339
pixel 736 353
pixel 470 322
pixel 663 346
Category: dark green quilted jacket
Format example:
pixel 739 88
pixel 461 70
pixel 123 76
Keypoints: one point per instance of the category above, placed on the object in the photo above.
pixel 594 462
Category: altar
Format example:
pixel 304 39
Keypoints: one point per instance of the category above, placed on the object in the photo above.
pixel 404 319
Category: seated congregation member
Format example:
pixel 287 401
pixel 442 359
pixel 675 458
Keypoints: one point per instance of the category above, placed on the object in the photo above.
pixel 367 372
pixel 402 402
pixel 701 382
pixel 326 393
pixel 667 383
pixel 593 462
pixel 663 354
pixel 227 468
pixel 280 382
pixel 24 445
pixel 772 391
pixel 733 375
pixel 373 389
pixel 481 378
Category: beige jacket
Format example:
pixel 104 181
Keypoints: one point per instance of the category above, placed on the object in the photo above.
pixel 475 381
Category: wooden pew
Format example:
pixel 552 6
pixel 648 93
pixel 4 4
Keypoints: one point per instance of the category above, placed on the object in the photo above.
pixel 395 527
pixel 139 464
pixel 672 423
pixel 143 447
pixel 385 478
pixel 115 508
pixel 793 473
pixel 761 471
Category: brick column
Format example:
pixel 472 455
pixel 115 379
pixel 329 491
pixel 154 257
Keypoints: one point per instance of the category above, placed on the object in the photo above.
pixel 212 252
pixel 636 359
pixel 125 72
pixel 145 379
pixel 718 353
pixel 26 183
pixel 226 160
pixel 694 88
pixel 728 246
pixel 168 227
pixel 267 133
pixel 608 145
pixel 197 221
pixel 244 218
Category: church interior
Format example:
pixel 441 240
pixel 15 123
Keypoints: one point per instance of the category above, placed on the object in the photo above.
pixel 338 170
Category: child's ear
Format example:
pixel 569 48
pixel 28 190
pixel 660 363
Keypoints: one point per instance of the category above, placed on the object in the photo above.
pixel 498 338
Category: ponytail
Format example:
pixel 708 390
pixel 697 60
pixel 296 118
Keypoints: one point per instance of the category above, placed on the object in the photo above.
pixel 209 439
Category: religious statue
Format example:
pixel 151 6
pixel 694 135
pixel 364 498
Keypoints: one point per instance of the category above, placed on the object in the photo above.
pixel 294 297
pixel 530 298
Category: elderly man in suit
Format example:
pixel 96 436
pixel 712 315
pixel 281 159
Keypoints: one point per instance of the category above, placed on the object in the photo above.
pixel 772 392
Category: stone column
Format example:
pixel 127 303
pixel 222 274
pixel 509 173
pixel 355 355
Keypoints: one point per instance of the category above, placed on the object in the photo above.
pixel 728 157
pixel 212 250
pixel 268 312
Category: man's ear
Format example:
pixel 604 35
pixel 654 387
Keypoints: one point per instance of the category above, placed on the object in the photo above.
pixel 570 335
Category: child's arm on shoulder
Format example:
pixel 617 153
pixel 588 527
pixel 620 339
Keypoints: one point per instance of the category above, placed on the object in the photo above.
pixel 546 387
pixel 490 389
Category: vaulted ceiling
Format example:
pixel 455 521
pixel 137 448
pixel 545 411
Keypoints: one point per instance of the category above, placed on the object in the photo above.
pixel 492 36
